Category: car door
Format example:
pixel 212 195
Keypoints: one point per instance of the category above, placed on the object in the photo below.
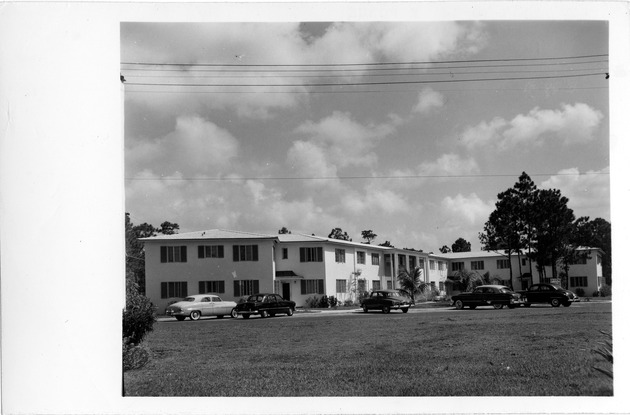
pixel 206 307
pixel 219 306
pixel 477 296
pixel 533 294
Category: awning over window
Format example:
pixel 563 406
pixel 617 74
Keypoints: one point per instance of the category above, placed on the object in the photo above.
pixel 287 274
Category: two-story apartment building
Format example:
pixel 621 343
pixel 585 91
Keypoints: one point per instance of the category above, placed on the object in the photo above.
pixel 234 264
pixel 586 273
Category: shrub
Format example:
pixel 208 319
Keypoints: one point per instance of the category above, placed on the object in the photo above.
pixel 312 302
pixel 138 315
pixel 363 295
pixel 579 292
pixel 605 291
pixel 596 294
pixel 332 300
pixel 323 302
pixel 348 302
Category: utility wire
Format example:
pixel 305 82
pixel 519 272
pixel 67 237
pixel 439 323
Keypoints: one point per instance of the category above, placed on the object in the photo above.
pixel 364 64
pixel 369 83
pixel 419 176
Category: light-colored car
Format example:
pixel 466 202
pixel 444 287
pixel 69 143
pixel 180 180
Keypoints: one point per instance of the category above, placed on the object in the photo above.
pixel 196 306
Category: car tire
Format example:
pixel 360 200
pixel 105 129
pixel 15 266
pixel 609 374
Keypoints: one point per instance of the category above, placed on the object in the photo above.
pixel 511 306
pixel 290 312
pixel 180 318
pixel 555 302
pixel 566 304
pixel 264 314
pixel 404 310
pixel 365 309
pixel 233 313
pixel 245 316
pixel 459 304
pixel 220 316
pixel 497 306
pixel 386 309
pixel 472 307
pixel 195 315
pixel 272 314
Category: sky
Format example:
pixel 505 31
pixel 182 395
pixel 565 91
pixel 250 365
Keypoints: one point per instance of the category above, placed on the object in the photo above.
pixel 418 157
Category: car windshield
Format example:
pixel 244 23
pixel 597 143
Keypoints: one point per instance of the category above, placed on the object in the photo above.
pixel 255 298
pixel 505 290
pixel 189 299
pixel 556 287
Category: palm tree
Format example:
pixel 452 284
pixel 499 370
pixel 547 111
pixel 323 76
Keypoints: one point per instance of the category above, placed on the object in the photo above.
pixel 411 282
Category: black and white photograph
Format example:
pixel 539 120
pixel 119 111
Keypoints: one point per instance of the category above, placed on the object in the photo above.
pixel 373 208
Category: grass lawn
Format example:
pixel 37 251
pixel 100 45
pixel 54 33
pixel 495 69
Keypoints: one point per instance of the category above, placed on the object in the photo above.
pixel 484 352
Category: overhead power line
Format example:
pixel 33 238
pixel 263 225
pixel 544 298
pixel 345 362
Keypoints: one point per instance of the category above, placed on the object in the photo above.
pixel 364 64
pixel 336 84
pixel 418 176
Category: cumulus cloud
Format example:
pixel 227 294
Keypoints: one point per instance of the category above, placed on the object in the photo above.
pixel 570 124
pixel 449 165
pixel 196 146
pixel 588 193
pixel 428 99
pixel 471 208
pixel 250 43
pixel 336 142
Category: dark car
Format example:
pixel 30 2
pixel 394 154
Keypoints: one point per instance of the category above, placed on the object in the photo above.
pixel 487 295
pixel 548 294
pixel 385 300
pixel 265 305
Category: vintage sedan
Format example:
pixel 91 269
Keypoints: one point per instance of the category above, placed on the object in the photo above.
pixel 496 296
pixel 196 306
pixel 548 294
pixel 386 300
pixel 265 305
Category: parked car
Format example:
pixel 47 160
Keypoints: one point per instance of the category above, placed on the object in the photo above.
pixel 196 306
pixel 386 300
pixel 548 294
pixel 265 305
pixel 487 295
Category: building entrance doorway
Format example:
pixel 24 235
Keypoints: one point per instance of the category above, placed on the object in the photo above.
pixel 286 291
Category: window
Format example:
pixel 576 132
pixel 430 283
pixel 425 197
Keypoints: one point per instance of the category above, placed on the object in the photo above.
pixel 285 253
pixel 441 286
pixel 376 259
pixel 476 265
pixel 421 262
pixel 457 266
pixel 389 285
pixel 432 265
pixel 340 255
pixel 412 262
pixel 174 289
pixel 312 286
pixel 580 260
pixel 503 264
pixel 211 287
pixel 360 257
pixel 361 285
pixel 172 254
pixel 524 261
pixel 402 260
pixel 245 253
pixel 311 254
pixel 578 281
pixel 210 251
pixel 441 265
pixel 245 287
pixel 341 286
pixel 376 285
